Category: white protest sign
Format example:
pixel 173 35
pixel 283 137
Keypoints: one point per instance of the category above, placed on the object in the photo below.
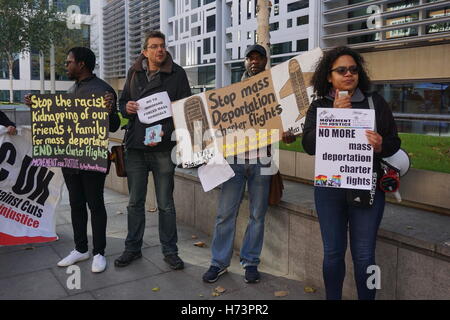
pixel 215 172
pixel 154 108
pixel 344 157
pixel 28 195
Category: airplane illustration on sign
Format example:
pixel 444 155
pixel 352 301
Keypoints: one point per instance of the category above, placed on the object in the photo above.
pixel 296 85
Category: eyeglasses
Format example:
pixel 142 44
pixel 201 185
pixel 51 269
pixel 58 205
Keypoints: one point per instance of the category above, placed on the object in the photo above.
pixel 343 70
pixel 156 46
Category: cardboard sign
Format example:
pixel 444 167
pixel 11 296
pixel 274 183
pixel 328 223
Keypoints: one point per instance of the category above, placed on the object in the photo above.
pixel 70 131
pixel 344 157
pixel 28 195
pixel 247 115
pixel 154 108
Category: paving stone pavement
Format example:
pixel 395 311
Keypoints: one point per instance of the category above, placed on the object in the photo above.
pixel 30 271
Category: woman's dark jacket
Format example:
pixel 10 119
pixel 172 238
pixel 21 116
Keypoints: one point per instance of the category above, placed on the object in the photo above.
pixel 385 124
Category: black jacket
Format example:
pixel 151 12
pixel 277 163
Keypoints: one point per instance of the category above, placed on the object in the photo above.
pixel 96 85
pixel 171 78
pixel 384 119
pixel 4 120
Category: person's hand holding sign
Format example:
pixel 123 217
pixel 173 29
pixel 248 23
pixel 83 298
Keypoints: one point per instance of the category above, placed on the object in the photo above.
pixel 110 101
pixel 28 100
pixel 11 130
pixel 132 107
pixel 375 140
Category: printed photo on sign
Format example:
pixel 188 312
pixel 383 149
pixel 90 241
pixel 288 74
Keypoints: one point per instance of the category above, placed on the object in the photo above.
pixel 70 131
pixel 29 195
pixel 344 157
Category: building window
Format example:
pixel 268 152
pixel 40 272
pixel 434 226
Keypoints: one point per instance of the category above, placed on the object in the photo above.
pixel 62 5
pixel 249 9
pixel 289 23
pixel 438 27
pixel 279 60
pixel 298 5
pixel 280 48
pixel 207 75
pixel 419 98
pixel 276 9
pixel 302 45
pixel 195 31
pixel 4 70
pixel 402 5
pixel 274 26
pixel 237 70
pixel 18 95
pixel 249 35
pixel 207 46
pixel 195 4
pixel 211 23
pixel 302 20
pixel 402 32
pixel 240 12
pixel 208 1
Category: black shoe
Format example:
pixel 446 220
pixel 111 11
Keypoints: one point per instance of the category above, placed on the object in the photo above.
pixel 126 258
pixel 174 261
pixel 213 274
pixel 251 274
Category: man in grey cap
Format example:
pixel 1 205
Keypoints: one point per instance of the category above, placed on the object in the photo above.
pixel 255 60
pixel 247 169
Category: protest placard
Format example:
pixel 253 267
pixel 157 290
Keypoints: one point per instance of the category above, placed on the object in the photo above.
pixel 344 157
pixel 29 195
pixel 154 108
pixel 247 115
pixel 70 131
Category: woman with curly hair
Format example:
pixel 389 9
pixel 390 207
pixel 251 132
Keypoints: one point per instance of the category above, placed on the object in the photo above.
pixel 343 69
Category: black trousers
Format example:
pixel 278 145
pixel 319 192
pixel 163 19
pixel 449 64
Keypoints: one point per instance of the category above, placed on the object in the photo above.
pixel 87 187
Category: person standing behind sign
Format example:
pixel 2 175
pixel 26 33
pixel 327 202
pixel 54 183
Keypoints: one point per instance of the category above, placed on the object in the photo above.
pixel 153 72
pixel 86 187
pixel 343 69
pixel 231 196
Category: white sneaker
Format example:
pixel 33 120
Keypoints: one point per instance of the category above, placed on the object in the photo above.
pixel 73 258
pixel 99 263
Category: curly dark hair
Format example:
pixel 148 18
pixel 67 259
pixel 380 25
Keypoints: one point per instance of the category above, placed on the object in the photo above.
pixel 83 54
pixel 320 78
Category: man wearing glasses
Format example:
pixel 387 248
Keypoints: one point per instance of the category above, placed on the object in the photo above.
pixel 153 72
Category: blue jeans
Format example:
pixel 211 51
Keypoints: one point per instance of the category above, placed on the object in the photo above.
pixel 229 202
pixel 138 164
pixel 335 218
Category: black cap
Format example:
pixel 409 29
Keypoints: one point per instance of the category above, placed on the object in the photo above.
pixel 257 48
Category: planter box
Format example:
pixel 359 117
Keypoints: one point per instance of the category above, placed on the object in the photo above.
pixel 418 186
